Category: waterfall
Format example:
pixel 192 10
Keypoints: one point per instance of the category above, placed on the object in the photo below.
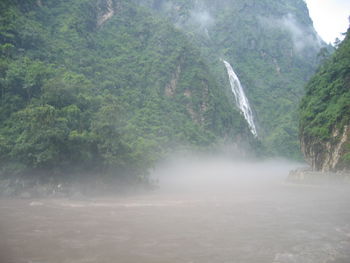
pixel 241 99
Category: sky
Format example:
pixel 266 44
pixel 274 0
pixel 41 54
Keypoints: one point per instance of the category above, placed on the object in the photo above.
pixel 330 17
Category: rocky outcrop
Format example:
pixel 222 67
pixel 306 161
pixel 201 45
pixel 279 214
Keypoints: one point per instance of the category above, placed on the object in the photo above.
pixel 39 3
pixel 172 85
pixel 106 14
pixel 325 113
pixel 327 155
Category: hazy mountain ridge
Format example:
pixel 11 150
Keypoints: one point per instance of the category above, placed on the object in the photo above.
pixel 272 46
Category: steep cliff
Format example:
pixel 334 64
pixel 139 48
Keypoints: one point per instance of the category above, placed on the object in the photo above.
pixel 272 46
pixel 330 154
pixel 325 113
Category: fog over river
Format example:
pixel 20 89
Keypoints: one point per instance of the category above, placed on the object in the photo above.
pixel 204 211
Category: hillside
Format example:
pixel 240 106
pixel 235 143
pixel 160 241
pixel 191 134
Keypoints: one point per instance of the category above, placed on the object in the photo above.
pixel 102 87
pixel 325 113
pixel 272 46
pixel 109 87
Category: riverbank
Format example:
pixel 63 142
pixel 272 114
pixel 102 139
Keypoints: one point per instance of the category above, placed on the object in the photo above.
pixel 79 188
pixel 307 176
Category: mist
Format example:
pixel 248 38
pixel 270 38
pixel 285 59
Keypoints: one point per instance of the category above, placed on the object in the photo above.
pixel 202 18
pixel 210 174
pixel 199 18
pixel 94 96
pixel 302 37
pixel 204 209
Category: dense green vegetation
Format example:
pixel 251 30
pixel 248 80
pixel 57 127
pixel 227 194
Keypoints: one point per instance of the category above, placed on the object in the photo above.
pixel 271 45
pixel 82 98
pixel 85 93
pixel 326 105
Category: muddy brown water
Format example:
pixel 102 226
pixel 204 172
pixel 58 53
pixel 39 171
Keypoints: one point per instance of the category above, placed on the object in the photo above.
pixel 274 222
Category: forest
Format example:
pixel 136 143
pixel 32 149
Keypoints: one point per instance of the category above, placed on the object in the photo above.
pixel 77 97
pixel 109 88
pixel 325 110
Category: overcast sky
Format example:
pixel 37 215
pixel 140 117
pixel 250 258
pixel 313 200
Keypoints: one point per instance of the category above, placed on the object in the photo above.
pixel 330 17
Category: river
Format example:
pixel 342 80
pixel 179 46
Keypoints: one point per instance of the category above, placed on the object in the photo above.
pixel 245 220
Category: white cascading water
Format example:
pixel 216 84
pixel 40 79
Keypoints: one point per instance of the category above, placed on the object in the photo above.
pixel 241 99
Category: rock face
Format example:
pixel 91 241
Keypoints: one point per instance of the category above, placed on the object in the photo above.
pixel 107 14
pixel 327 156
pixel 272 47
pixel 324 128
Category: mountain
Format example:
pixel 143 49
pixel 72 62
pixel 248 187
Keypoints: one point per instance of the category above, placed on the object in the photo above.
pixel 103 87
pixel 272 46
pixel 110 87
pixel 325 113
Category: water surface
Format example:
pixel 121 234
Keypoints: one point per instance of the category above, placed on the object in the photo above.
pixel 241 219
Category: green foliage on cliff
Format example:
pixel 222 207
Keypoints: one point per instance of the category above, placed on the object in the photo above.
pixel 326 106
pixel 83 94
pixel 78 97
pixel 271 45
